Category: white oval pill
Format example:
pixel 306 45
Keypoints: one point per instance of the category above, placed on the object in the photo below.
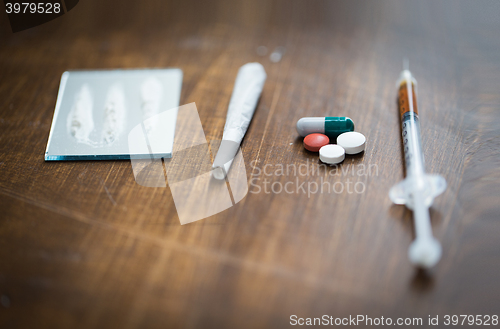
pixel 331 154
pixel 352 141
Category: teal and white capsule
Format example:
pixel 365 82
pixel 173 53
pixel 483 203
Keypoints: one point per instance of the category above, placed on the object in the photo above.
pixel 330 126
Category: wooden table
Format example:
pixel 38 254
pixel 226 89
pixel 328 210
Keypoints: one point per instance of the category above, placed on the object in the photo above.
pixel 82 245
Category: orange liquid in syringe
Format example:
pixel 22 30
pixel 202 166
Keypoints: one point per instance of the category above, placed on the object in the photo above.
pixel 404 102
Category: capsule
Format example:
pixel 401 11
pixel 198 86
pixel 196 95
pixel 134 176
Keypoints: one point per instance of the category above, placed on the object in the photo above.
pixel 330 126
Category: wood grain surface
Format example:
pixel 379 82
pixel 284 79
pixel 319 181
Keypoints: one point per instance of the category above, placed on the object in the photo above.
pixel 83 245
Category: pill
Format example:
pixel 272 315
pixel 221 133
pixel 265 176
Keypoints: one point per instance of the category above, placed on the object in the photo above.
pixel 330 126
pixel 353 142
pixel 332 154
pixel 313 142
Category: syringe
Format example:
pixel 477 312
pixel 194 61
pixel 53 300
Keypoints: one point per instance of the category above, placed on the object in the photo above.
pixel 418 190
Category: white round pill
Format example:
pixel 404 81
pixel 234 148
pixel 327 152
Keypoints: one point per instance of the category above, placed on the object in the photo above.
pixel 352 141
pixel 331 154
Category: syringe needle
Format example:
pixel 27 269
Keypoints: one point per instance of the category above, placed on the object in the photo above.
pixel 406 64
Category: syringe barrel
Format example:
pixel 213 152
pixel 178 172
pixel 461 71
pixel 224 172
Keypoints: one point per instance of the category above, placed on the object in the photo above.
pixel 408 110
pixel 407 95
